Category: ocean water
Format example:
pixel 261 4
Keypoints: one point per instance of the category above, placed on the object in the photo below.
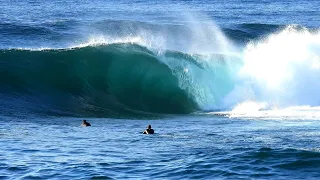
pixel 230 87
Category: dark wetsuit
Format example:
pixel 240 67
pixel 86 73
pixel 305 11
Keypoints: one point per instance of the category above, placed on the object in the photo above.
pixel 148 131
pixel 86 124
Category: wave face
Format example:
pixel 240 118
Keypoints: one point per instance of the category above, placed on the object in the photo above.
pixel 101 80
pixel 137 75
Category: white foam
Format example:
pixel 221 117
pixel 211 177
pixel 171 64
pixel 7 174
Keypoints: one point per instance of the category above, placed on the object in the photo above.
pixel 103 40
pixel 282 69
pixel 255 110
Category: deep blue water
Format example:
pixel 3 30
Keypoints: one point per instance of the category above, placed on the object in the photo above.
pixel 230 87
pixel 183 147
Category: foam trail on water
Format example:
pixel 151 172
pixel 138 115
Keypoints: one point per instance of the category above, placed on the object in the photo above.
pixel 257 111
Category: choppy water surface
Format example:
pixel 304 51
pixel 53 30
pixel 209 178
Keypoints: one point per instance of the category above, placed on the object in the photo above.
pixel 183 147
pixel 240 77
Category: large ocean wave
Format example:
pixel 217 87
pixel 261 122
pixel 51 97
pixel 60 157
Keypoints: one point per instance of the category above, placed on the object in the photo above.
pixel 110 79
pixel 139 75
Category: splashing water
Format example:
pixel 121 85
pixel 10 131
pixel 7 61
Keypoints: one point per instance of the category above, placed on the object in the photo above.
pixel 284 67
pixel 279 72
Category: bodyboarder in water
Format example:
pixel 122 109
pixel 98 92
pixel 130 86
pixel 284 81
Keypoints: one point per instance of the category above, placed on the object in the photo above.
pixel 149 130
pixel 85 123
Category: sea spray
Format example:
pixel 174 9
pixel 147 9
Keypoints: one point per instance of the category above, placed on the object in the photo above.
pixel 201 64
pixel 284 67
pixel 203 68
pixel 279 71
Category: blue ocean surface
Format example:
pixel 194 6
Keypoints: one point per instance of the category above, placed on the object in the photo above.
pixel 231 89
pixel 182 147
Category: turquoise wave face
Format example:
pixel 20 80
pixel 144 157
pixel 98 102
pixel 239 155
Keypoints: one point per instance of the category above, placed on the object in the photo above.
pixel 112 79
pixel 103 80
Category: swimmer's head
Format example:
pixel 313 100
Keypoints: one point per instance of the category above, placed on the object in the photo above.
pixel 84 121
pixel 149 126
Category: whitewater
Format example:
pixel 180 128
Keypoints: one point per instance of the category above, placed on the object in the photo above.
pixel 209 73
pixel 230 89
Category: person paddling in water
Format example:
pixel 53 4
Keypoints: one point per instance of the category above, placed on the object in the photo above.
pixel 85 123
pixel 149 130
